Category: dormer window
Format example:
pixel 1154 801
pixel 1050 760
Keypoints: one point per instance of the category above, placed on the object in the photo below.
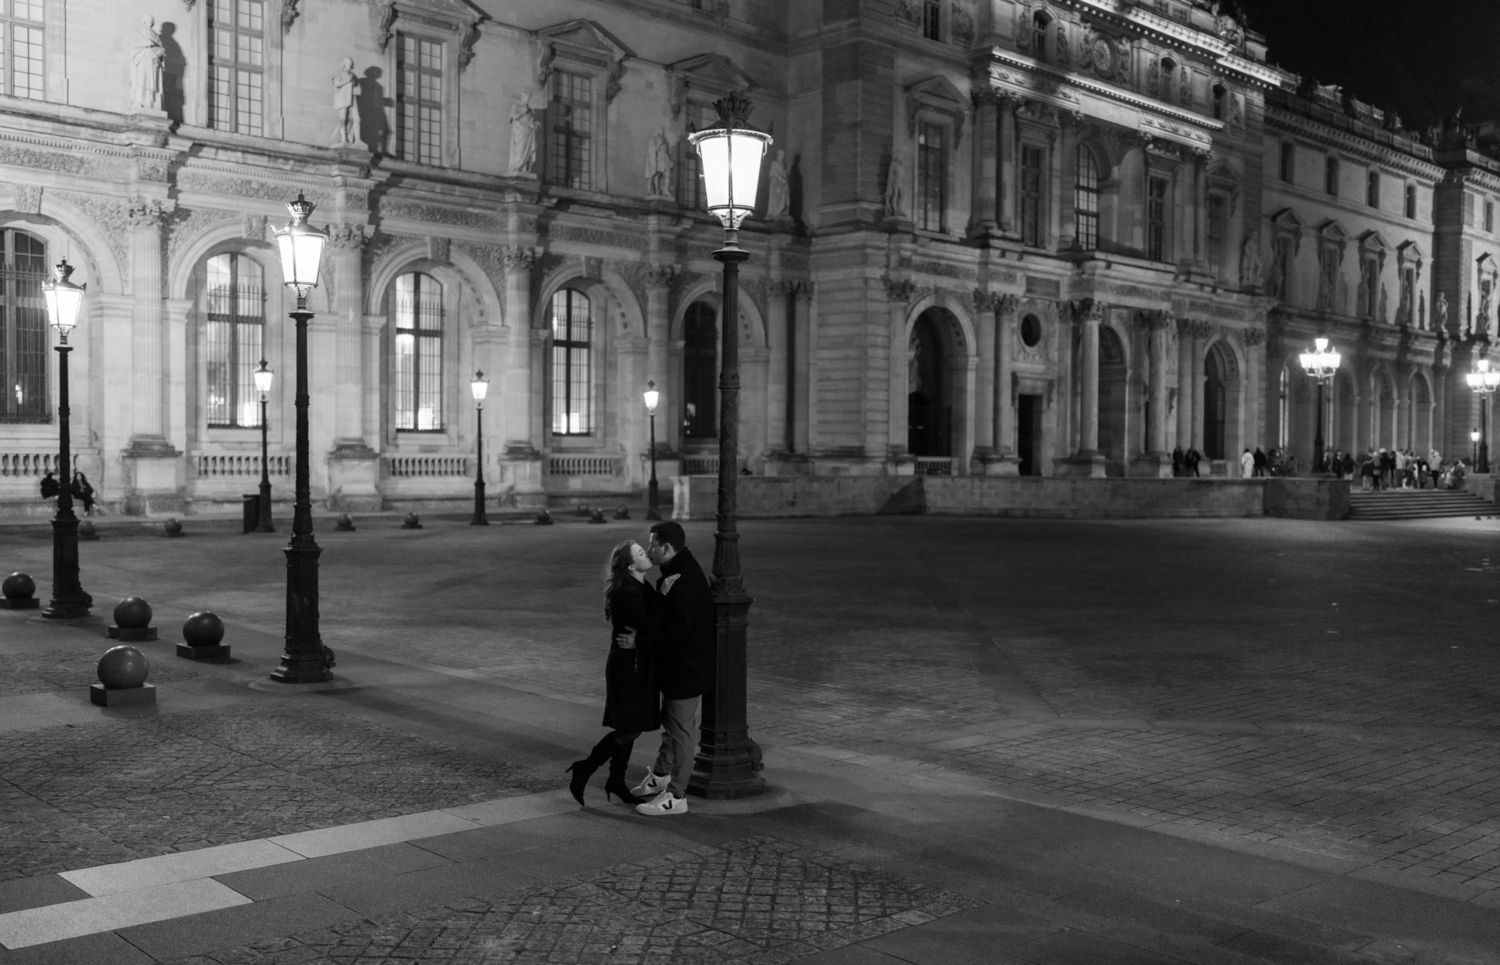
pixel 1331 176
pixel 1041 26
pixel 1221 101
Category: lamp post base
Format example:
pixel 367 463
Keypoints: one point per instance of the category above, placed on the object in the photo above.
pixel 69 601
pixel 724 767
pixel 480 519
pixel 305 660
pixel 652 495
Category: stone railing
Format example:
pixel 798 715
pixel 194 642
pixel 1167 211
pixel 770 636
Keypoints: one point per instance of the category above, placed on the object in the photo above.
pixel 700 465
pixel 565 465
pixel 427 465
pixel 27 463
pixel 934 465
pixel 242 465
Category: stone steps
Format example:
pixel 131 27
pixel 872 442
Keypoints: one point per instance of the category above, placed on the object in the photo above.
pixel 1417 504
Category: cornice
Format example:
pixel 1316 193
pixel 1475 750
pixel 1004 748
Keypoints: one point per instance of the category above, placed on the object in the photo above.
pixel 1312 130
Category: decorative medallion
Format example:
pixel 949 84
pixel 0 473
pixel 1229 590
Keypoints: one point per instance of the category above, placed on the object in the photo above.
pixel 1103 56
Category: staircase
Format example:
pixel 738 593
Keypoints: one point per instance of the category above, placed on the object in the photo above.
pixel 1418 504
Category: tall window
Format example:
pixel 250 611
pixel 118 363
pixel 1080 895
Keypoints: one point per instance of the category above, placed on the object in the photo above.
pixel 1156 219
pixel 1369 287
pixel 419 100
pixel 21 48
pixel 233 339
pixel 1040 23
pixel 932 19
pixel 1372 189
pixel 23 329
pixel 419 353
pixel 1086 201
pixel 1280 282
pixel 1169 78
pixel 1216 233
pixel 700 355
pixel 236 65
pixel 572 373
pixel 1411 200
pixel 570 119
pixel 932 170
pixel 1031 195
pixel 1331 176
pixel 699 116
pixel 1489 216
pixel 1288 162
pixel 1221 97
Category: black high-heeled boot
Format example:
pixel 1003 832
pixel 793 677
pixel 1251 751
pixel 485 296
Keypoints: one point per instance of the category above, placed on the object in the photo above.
pixel 584 769
pixel 616 785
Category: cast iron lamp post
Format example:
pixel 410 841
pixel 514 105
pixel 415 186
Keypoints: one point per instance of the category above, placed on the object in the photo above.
pixel 730 156
pixel 1320 364
pixel 305 659
pixel 1474 449
pixel 480 387
pixel 263 377
pixel 652 397
pixel 1483 381
pixel 64 299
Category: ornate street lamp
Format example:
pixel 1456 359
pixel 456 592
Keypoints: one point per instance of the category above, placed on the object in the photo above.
pixel 263 377
pixel 1483 381
pixel 730 156
pixel 1320 364
pixel 305 659
pixel 652 397
pixel 480 387
pixel 64 300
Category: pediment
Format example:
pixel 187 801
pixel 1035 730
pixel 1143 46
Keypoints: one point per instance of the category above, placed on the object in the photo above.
pixel 1371 241
pixel 711 74
pixel 1224 172
pixel 460 16
pixel 586 38
pixel 938 94
pixel 1331 230
pixel 1409 252
pixel 1288 220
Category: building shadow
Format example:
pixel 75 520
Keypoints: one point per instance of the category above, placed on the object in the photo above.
pixel 374 132
pixel 174 66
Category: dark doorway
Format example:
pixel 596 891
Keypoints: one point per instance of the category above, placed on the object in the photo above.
pixel 1113 382
pixel 700 356
pixel 1029 433
pixel 928 418
pixel 1213 407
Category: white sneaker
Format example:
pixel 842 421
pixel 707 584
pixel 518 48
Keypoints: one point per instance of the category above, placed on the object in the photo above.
pixel 663 804
pixel 650 784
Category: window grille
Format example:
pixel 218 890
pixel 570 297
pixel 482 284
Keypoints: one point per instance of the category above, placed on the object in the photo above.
pixel 233 339
pixel 419 100
pixel 236 65
pixel 570 147
pixel 21 48
pixel 23 330
pixel 932 164
pixel 419 353
pixel 1086 201
pixel 572 371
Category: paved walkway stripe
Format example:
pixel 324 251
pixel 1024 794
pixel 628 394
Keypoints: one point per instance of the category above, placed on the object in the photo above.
pixel 176 885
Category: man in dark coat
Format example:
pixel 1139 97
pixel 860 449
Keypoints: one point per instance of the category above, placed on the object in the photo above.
pixel 50 487
pixel 686 659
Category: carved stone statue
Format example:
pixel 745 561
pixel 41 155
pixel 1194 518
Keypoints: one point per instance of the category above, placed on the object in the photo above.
pixel 1250 268
pixel 659 166
pixel 777 194
pixel 345 91
pixel 523 126
pixel 1482 320
pixel 895 188
pixel 1384 302
pixel 1440 312
pixel 146 59
pixel 1422 311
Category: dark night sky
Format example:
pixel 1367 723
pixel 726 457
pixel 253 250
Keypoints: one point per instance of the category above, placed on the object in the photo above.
pixel 1421 57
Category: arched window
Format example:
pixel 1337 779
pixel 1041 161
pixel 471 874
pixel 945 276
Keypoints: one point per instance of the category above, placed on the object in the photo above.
pixel 1411 200
pixel 1168 80
pixel 1086 201
pixel 700 355
pixel 572 364
pixel 233 339
pixel 1221 98
pixel 419 353
pixel 1041 36
pixel 23 330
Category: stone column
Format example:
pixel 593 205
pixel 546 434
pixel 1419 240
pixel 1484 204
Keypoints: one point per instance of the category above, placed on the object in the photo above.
pixel 1157 459
pixel 1088 374
pixel 1008 167
pixel 353 465
pixel 1068 164
pixel 983 221
pixel 1184 384
pixel 1201 332
pixel 778 383
pixel 659 280
pixel 1254 380
pixel 801 371
pixel 1005 394
pixel 521 466
pixel 1200 212
pixel 154 477
pixel 986 310
pixel 899 294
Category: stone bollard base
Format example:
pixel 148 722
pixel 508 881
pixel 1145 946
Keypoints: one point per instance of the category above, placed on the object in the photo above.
pixel 30 603
pixel 214 651
pixel 123 696
pixel 130 634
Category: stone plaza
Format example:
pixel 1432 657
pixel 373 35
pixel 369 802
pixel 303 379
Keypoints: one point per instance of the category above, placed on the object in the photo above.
pixel 986 740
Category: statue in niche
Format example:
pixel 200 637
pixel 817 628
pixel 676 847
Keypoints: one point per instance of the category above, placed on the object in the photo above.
pixel 345 94
pixel 895 188
pixel 777 194
pixel 1250 267
pixel 523 125
pixel 1440 312
pixel 1384 302
pixel 146 60
pixel 1422 310
pixel 1482 321
pixel 659 166
pixel 1403 311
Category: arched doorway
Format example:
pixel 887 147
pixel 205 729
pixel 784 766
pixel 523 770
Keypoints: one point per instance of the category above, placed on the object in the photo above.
pixel 1345 431
pixel 1112 394
pixel 700 357
pixel 929 414
pixel 1215 406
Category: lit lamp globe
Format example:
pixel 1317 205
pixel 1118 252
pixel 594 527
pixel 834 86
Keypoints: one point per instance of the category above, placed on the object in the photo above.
pixel 731 153
pixel 480 387
pixel 1474 436
pixel 301 248
pixel 64 299
pixel 1320 363
pixel 652 397
pixel 263 377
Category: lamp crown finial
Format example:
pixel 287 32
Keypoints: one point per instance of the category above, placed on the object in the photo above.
pixel 734 109
pixel 301 209
pixel 62 270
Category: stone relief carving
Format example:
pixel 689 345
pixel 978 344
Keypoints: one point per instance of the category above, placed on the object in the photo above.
pixel 246 188
pixel 514 258
pixel 593 236
pixel 145 213
pixel 461 217
pixel 593 267
pixel 491 261
pixel 963 24
pixel 289 14
pixel 384 13
pixel 187 225
pixel 900 290
pixel 1254 336
pixel 29 198
pixel 108 214
pixel 48 161
pixel 341 235
pixel 438 247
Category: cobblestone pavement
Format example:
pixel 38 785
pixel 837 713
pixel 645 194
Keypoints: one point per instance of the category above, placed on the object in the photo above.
pixel 1329 686
pixel 78 796
pixel 754 901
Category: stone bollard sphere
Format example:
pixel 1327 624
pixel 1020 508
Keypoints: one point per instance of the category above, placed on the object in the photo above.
pixel 203 629
pixel 412 521
pixel 122 667
pixel 344 522
pixel 544 518
pixel 172 527
pixel 18 586
pixel 582 510
pixel 132 613
pixel 86 528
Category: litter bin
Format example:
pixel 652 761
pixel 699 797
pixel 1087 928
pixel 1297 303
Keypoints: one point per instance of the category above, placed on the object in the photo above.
pixel 252 512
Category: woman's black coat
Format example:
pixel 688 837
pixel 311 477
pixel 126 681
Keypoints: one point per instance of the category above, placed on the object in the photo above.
pixel 630 675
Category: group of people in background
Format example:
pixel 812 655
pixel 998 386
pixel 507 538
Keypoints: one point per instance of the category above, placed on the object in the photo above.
pixel 82 492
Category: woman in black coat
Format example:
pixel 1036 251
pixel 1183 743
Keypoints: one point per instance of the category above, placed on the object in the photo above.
pixel 630 704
